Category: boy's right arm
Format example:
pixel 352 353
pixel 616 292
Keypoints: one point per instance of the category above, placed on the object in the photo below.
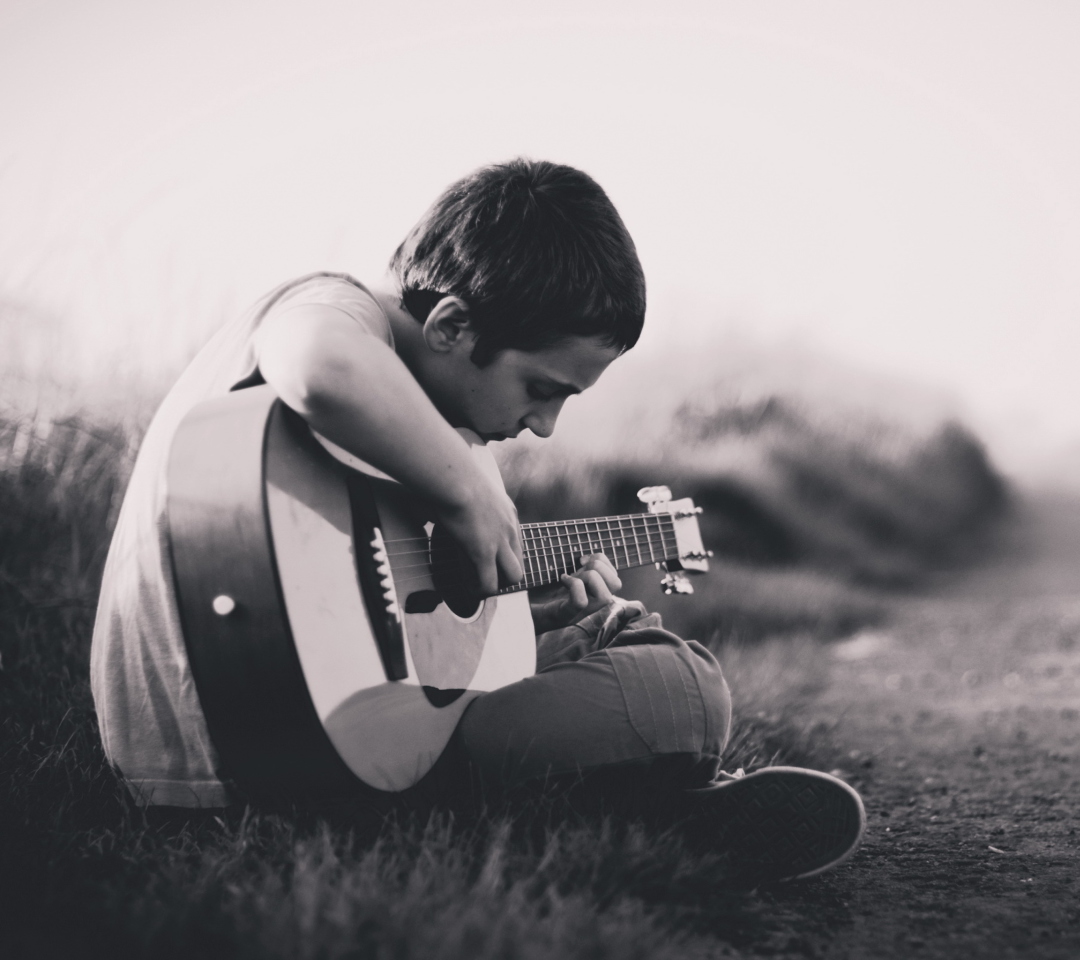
pixel 354 390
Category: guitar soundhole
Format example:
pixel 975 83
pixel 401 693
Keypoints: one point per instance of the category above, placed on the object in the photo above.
pixel 454 575
pixel 441 698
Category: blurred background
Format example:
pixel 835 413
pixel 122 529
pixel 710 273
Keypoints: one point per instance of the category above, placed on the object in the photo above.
pixel 860 226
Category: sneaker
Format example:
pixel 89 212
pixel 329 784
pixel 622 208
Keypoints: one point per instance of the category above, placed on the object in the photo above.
pixel 780 823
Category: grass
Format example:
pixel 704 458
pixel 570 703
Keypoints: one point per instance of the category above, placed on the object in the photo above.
pixel 83 873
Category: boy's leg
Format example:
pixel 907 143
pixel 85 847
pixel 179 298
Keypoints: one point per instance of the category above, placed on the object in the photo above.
pixel 646 695
pixel 650 714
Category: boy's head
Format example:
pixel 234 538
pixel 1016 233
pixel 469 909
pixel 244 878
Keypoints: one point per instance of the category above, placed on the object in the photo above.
pixel 535 250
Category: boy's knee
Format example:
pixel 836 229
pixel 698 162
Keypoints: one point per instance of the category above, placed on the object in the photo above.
pixel 675 691
pixel 715 692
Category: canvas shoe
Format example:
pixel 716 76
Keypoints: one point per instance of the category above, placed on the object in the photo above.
pixel 779 823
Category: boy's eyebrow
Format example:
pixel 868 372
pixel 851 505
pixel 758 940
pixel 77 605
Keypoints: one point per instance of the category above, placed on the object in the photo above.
pixel 559 385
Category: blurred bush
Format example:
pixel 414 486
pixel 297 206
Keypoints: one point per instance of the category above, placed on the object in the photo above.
pixel 865 502
pixel 60 487
pixel 857 505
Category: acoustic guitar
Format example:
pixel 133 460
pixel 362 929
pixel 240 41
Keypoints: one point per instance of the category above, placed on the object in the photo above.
pixel 335 635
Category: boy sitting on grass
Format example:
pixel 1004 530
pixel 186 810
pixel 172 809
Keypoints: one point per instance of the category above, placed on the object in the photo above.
pixel 516 290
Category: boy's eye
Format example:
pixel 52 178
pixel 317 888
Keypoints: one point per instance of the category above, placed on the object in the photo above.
pixel 539 393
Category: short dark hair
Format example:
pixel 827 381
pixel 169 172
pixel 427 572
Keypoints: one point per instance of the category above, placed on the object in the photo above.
pixel 535 249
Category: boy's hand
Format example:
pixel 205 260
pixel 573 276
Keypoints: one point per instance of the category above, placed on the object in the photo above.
pixel 486 527
pixel 591 587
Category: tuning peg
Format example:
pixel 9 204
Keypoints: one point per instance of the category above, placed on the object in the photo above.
pixel 676 583
pixel 653 495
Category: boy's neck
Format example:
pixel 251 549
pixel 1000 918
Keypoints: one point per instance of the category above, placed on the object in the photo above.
pixel 407 330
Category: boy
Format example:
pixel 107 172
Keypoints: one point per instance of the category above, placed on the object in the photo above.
pixel 517 289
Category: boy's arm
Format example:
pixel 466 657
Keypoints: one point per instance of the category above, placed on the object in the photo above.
pixel 355 391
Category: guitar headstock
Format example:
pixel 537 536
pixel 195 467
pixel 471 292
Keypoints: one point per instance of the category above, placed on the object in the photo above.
pixel 692 555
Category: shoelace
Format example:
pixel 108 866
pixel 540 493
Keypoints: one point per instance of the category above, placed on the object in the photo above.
pixel 722 776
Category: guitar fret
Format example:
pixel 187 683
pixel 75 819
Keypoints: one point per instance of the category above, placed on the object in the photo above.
pixel 648 539
pixel 534 567
pixel 564 548
pixel 648 523
pixel 556 552
pixel 622 541
pixel 573 547
pixel 545 558
pixel 612 542
pixel 594 536
pixel 661 543
pixel 531 569
pixel 667 539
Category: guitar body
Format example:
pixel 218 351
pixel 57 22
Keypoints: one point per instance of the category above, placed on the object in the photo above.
pixel 292 573
pixel 331 632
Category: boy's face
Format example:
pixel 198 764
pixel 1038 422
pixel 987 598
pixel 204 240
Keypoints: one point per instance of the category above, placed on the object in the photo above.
pixel 518 389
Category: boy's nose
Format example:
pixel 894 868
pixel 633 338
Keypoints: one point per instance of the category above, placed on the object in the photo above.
pixel 542 422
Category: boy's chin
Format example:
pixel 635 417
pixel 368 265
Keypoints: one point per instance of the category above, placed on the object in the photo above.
pixel 473 435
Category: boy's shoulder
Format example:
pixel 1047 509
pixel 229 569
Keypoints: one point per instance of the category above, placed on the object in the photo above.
pixel 339 291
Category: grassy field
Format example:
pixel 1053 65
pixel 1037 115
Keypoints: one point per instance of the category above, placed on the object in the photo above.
pixel 83 873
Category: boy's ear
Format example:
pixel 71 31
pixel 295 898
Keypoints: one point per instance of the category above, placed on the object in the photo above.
pixel 449 325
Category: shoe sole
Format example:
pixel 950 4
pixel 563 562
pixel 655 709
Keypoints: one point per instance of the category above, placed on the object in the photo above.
pixel 782 823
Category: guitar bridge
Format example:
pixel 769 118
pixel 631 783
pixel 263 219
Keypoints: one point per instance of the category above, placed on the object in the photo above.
pixel 376 582
pixel 386 580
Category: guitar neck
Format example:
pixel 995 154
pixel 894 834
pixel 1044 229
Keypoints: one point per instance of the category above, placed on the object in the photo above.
pixel 553 549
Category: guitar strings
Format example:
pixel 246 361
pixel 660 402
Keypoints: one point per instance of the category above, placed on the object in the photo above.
pixel 539 548
pixel 580 536
pixel 661 518
pixel 548 552
pixel 551 565
pixel 538 578
pixel 536 550
pixel 530 535
pixel 532 549
pixel 562 563
pixel 559 551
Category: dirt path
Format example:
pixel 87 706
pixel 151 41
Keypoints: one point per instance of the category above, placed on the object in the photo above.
pixel 961 726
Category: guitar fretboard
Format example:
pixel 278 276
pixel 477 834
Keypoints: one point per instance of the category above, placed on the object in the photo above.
pixel 555 548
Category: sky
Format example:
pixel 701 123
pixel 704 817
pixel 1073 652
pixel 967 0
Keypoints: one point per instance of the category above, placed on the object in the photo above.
pixel 890 185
